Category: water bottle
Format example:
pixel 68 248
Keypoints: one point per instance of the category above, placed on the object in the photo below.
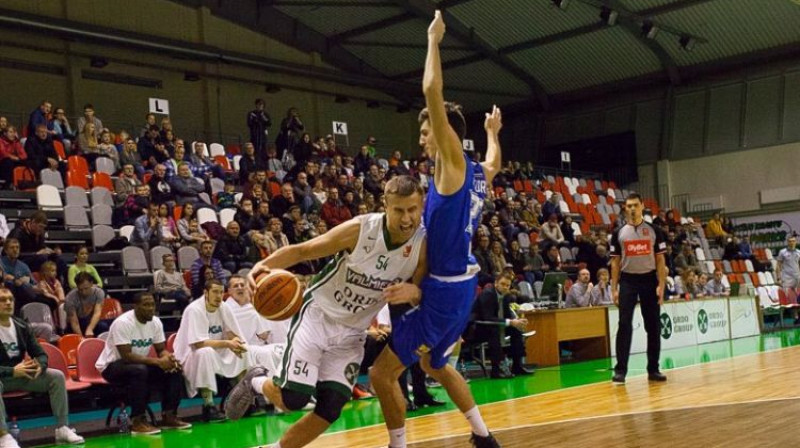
pixel 13 429
pixel 122 420
pixel 560 296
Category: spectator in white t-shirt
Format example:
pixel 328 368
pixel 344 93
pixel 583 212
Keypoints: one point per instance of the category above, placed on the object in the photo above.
pixel 209 343
pixel 126 362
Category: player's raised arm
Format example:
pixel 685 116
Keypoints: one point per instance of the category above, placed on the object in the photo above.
pixel 449 176
pixel 342 237
pixel 494 160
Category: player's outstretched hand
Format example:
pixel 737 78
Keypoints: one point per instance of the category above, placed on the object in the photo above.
pixel 258 269
pixel 494 121
pixel 436 28
pixel 402 293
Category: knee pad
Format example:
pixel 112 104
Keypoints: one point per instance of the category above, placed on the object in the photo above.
pixel 329 404
pixel 294 400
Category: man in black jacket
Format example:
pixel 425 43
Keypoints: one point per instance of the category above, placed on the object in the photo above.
pixel 493 320
pixel 30 375
pixel 231 249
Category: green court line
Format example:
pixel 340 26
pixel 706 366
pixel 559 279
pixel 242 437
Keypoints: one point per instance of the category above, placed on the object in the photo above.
pixel 262 430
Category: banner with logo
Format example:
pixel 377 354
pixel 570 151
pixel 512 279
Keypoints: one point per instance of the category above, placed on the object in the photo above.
pixel 712 320
pixel 743 317
pixel 678 325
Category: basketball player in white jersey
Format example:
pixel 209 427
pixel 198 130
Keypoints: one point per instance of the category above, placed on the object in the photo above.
pixel 326 339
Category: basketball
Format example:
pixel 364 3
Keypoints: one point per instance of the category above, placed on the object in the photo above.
pixel 277 295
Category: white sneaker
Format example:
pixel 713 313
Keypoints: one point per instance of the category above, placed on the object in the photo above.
pixel 8 442
pixel 67 435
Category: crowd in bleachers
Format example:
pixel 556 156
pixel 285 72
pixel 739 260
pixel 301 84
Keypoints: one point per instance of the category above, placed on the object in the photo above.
pixel 184 216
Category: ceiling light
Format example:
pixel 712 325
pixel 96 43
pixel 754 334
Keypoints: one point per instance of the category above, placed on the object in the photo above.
pixel 608 16
pixel 561 4
pixel 649 29
pixel 688 42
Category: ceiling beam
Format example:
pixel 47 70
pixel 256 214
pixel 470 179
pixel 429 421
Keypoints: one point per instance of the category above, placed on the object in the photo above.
pixel 425 9
pixel 370 27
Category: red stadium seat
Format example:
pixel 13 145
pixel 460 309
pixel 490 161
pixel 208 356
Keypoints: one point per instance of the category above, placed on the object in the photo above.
pixel 77 179
pixel 102 180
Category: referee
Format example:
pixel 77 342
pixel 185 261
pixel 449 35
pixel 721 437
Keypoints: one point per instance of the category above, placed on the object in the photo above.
pixel 638 272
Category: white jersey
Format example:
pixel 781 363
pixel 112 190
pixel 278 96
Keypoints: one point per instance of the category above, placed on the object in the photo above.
pixel 349 289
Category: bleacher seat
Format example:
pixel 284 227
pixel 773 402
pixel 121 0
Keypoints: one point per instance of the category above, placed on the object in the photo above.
pixel 566 255
pixel 205 215
pixel 768 253
pixel 105 165
pixel 126 232
pixel 217 150
pixel 100 179
pixel 111 308
pixel 75 217
pixel 762 279
pixel 217 185
pixel 709 266
pixel 186 256
pixel 47 198
pixel 57 360
pixel 102 195
pixel 699 254
pixel 23 174
pixel 134 262
pixel 101 214
pixel 770 279
pixel 89 351
pixel 226 216
pixel 524 240
pixel 236 163
pixel 59 147
pixel 156 257
pixel 190 150
pixel 51 177
pixel 101 235
pixel 76 196
pixel 77 179
pixel 749 266
pixel 727 267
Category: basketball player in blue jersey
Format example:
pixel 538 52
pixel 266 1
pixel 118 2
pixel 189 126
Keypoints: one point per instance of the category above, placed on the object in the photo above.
pixel 429 332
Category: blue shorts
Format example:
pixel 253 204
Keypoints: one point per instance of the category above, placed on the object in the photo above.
pixel 437 324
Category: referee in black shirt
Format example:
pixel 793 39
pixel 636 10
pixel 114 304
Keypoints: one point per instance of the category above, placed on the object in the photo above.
pixel 638 273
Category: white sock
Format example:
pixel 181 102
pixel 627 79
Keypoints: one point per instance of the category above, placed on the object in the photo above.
pixel 476 421
pixel 258 384
pixel 397 437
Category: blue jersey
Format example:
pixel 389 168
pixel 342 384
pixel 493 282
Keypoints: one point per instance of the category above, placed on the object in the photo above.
pixel 450 222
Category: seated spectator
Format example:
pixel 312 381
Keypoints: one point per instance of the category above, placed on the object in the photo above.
pixel 280 204
pixel 599 260
pixel 51 287
pixel 191 235
pixel 497 257
pixel 83 306
pixel 274 238
pixel 714 229
pixel 534 265
pixel 258 178
pixel 494 319
pixel 516 256
pixel 552 207
pixel 320 192
pixel 151 149
pixel 202 166
pixel 274 163
pixel 130 156
pixel 362 161
pixel 744 248
pixel 125 362
pixel 126 184
pixel 601 293
pixel 482 252
pixel 231 249
pixel 186 187
pixel 209 344
pixel 669 261
pixel 89 117
pixel 246 218
pixel 567 231
pixel 255 328
pixel 303 193
pixel 41 152
pixel 136 204
pixel 12 155
pixel 160 189
pixel 3 123
pixel 688 287
pixel 29 374
pixel 149 121
pixel 61 127
pixel 715 287
pixel 81 265
pixel 227 197
pixel 685 261
pixel 148 231
pixel 18 278
pixel 107 149
pixel 334 212
pixel 88 142
pixel 178 156
pixel 249 163
pixel 551 232
pixel 206 259
pixel 169 283
pixel 552 260
pixel 580 294
pixel 30 234
pixel 169 230
pixel 374 182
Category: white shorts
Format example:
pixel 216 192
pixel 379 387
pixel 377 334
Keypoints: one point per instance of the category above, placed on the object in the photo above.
pixel 320 352
pixel 790 282
pixel 267 356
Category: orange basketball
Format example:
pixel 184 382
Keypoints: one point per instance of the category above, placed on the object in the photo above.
pixel 277 295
